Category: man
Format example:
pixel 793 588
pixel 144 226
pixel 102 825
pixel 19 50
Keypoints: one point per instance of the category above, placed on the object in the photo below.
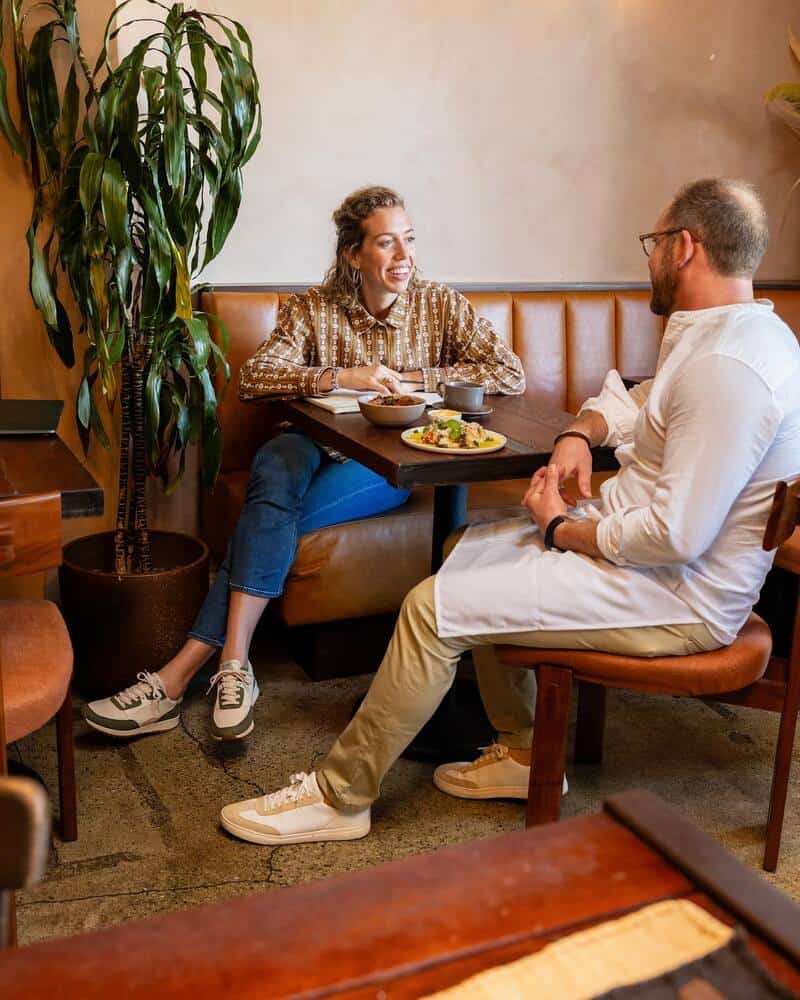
pixel 668 563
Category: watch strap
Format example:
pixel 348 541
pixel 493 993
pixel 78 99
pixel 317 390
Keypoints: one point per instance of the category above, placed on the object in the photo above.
pixel 572 434
pixel 549 531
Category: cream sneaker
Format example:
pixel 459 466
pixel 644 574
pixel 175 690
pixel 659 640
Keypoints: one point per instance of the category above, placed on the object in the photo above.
pixel 297 814
pixel 494 775
pixel 142 708
pixel 232 718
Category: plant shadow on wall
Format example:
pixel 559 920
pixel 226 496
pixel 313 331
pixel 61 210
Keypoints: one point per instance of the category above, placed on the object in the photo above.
pixel 137 175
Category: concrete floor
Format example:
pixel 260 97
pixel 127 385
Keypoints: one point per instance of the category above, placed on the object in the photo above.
pixel 150 840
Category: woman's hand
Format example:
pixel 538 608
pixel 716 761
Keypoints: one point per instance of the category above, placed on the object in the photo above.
pixel 371 378
pixel 543 499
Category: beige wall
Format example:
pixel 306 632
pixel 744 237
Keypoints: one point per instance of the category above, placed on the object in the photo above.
pixel 533 139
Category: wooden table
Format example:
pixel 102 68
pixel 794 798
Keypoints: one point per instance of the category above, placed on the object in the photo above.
pixel 44 464
pixel 530 431
pixel 411 927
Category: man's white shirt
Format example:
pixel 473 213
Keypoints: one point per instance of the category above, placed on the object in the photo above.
pixel 701 447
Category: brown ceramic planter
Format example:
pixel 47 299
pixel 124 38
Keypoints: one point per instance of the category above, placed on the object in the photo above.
pixel 121 625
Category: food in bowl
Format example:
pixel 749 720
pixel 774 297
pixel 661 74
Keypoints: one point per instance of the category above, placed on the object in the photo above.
pixel 396 401
pixel 443 415
pixel 456 434
pixel 392 411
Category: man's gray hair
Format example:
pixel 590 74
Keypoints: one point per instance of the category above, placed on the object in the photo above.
pixel 728 218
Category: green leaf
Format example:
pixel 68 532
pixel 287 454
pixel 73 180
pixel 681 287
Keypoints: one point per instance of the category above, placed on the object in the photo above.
pixel 41 289
pixel 197 329
pixel 69 114
pixel 183 291
pixel 83 405
pixel 91 175
pixel 223 215
pixel 114 197
pixel 43 103
pixel 174 129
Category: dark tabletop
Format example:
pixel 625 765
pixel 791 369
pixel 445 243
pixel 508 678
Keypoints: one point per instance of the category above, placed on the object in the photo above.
pixel 530 429
pixel 44 464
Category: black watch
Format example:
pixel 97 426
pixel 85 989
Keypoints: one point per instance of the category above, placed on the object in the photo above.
pixel 550 530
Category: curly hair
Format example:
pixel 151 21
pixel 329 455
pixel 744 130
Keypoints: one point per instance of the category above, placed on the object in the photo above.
pixel 339 283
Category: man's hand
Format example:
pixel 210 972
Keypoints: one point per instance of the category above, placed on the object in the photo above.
pixel 572 457
pixel 371 378
pixel 543 498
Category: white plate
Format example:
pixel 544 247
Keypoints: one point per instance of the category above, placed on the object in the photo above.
pixel 487 450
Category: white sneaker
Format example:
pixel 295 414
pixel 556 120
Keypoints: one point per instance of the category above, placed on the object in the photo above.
pixel 143 707
pixel 494 775
pixel 232 718
pixel 297 814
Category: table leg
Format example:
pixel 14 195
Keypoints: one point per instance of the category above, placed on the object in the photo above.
pixel 459 725
pixel 449 513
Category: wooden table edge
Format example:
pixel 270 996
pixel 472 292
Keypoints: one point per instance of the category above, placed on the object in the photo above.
pixel 744 893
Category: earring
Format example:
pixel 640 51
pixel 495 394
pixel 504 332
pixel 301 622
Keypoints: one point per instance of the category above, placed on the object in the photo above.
pixel 356 277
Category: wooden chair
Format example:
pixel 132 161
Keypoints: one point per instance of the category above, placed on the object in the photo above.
pixel 35 649
pixel 743 673
pixel 24 842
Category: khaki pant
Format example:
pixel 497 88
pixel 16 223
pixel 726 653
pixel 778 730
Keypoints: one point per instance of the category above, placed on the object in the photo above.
pixel 419 668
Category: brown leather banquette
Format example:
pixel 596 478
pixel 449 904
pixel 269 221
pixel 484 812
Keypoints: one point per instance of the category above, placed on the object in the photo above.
pixel 567 341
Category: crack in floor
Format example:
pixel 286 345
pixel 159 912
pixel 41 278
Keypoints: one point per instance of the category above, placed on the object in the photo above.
pixel 218 759
pixel 166 890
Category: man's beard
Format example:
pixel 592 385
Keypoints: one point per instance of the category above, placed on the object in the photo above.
pixel 662 298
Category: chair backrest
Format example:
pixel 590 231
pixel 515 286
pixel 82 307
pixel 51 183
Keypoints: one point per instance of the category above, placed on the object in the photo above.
pixel 25 840
pixel 30 533
pixel 784 516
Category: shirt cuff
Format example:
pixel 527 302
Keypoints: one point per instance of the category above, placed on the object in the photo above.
pixel 616 407
pixel 311 377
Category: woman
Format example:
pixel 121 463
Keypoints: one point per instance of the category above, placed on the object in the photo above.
pixel 372 325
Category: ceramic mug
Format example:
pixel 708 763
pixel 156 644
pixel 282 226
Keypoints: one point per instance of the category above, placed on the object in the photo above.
pixel 464 396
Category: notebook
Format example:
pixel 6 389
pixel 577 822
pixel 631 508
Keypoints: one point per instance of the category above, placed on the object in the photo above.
pixel 30 416
pixel 346 400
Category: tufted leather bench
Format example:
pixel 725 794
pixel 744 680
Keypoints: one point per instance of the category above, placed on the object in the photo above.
pixel 567 341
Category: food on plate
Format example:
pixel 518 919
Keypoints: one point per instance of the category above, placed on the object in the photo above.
pixel 444 415
pixel 455 434
pixel 395 400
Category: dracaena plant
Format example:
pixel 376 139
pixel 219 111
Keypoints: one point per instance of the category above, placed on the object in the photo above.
pixel 137 172
pixel 783 100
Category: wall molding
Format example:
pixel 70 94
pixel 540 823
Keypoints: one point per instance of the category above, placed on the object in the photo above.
pixel 511 287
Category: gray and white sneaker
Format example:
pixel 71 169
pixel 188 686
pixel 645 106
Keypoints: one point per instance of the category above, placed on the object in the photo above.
pixel 237 691
pixel 143 707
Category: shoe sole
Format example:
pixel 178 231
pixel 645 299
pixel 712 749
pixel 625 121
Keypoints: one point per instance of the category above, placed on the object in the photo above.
pixel 487 792
pixel 232 737
pixel 152 727
pixel 222 737
pixel 273 839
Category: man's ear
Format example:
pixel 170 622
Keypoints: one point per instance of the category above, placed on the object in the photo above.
pixel 685 248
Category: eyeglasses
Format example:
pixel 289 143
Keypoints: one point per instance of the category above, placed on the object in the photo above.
pixel 649 241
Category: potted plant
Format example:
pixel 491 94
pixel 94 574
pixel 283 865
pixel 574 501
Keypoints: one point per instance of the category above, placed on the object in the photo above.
pixel 137 175
pixel 783 100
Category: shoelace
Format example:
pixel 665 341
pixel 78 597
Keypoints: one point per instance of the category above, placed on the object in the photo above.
pixel 494 750
pixel 149 686
pixel 300 785
pixel 231 681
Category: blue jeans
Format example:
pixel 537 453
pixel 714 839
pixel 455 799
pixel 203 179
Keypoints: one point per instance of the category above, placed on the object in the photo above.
pixel 293 488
